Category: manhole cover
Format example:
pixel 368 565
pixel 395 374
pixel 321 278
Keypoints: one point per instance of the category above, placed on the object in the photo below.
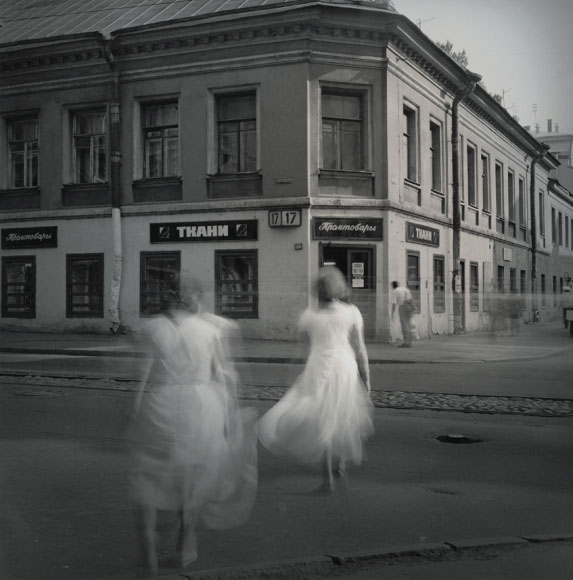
pixel 458 439
pixel 40 393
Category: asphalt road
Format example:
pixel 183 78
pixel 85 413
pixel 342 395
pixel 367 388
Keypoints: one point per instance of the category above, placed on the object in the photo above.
pixel 66 514
pixel 550 377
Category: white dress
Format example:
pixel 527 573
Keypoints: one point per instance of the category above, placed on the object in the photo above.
pixel 193 449
pixel 328 406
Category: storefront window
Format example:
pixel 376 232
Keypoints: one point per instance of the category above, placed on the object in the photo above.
pixel 237 287
pixel 19 287
pixel 84 286
pixel 160 278
pixel 474 287
pixel 413 277
pixel 439 284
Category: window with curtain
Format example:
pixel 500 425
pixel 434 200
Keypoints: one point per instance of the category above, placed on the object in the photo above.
pixel 24 152
pixel 161 140
pixel 90 146
pixel 237 133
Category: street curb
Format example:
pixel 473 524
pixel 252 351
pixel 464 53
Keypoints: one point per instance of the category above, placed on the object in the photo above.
pixel 267 359
pixel 330 564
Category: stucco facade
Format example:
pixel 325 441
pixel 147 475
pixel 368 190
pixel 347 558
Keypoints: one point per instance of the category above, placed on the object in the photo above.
pixel 346 156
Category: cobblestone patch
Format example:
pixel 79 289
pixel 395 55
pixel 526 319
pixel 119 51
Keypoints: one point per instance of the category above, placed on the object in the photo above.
pixel 381 399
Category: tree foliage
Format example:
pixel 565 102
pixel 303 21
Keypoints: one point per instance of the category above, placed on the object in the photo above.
pixel 460 57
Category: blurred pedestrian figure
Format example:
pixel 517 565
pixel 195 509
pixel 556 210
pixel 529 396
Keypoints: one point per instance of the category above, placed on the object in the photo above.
pixel 326 415
pixel 193 449
pixel 515 308
pixel 402 299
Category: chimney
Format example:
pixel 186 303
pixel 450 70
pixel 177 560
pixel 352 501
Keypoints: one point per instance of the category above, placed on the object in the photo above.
pixel 536 127
pixel 527 127
pixel 549 125
pixel 557 127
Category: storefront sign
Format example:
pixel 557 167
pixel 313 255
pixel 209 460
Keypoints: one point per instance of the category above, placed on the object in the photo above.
pixel 347 228
pixel 14 239
pixel 422 234
pixel 203 231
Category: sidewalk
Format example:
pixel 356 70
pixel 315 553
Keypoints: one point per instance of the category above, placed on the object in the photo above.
pixel 533 341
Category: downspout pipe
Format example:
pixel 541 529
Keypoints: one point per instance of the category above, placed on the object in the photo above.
pixel 472 80
pixel 115 185
pixel 536 159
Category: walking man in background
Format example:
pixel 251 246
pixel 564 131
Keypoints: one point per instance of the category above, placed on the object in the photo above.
pixel 402 297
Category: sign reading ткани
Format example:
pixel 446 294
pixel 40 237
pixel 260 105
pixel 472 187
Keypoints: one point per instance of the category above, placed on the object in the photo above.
pixel 422 234
pixel 42 237
pixel 347 228
pixel 203 231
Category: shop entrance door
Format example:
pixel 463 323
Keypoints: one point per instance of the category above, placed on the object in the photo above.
pixel 357 265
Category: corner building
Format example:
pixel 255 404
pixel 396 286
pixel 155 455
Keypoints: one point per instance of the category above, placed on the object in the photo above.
pixel 247 145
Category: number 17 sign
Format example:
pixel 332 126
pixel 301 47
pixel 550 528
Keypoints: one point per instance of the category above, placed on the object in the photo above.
pixel 284 218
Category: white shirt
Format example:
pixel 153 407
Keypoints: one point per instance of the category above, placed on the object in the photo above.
pixel 400 295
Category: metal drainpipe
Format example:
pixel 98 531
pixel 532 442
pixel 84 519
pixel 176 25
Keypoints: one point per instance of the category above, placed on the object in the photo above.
pixel 472 81
pixel 115 187
pixel 534 162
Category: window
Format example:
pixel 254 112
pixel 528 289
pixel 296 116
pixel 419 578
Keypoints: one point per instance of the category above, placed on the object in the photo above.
pixel 499 190
pixel 543 300
pixel 19 287
pixel 474 287
pixel 521 202
pixel 159 279
pixel 523 282
pixel 436 155
pixel 84 296
pixel 410 142
pixel 500 279
pixel 486 199
pixel 554 290
pixel 511 196
pixel 553 226
pixel 160 140
pixel 237 285
pixel 342 131
pixel 471 175
pixel 413 276
pixel 236 133
pixel 24 152
pixel 89 146
pixel 566 231
pixel 541 214
pixel 512 280
pixel 439 284
pixel 560 230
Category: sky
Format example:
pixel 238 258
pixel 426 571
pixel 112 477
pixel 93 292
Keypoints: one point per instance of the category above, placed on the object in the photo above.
pixel 523 49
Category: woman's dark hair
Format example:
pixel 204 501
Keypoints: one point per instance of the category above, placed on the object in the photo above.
pixel 331 285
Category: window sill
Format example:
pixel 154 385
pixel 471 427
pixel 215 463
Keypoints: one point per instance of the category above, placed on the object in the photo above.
pixel 230 185
pixel 20 198
pixel 154 189
pixel 84 194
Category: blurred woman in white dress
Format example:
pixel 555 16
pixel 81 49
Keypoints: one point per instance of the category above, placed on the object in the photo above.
pixel 193 449
pixel 327 414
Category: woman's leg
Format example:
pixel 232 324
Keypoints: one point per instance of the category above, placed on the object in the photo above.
pixel 187 544
pixel 328 479
pixel 149 536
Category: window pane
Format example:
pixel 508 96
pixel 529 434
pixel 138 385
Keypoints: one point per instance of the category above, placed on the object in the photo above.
pixel 235 107
pixel 153 157
pixel 160 280
pixel 248 147
pixel 85 286
pixel 171 156
pixel 18 288
pixel 228 150
pixel 341 106
pixel 161 115
pixel 351 146
pixel 330 144
pixel 24 130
